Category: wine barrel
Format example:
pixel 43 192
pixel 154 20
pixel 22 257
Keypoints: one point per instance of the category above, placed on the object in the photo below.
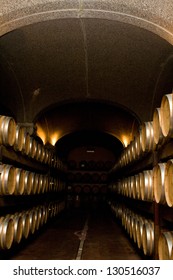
pixel 137 186
pixel 32 220
pixel 25 223
pixel 6 232
pixel 95 189
pixel 147 137
pixel 7 179
pixel 26 143
pixel 167 115
pixel 18 227
pixel 86 189
pixel 77 189
pixel 35 186
pixel 147 192
pixel 148 238
pixel 157 130
pixel 139 231
pixel 28 182
pixel 7 130
pixel 165 246
pixel 169 183
pixel 19 182
pixel 159 182
pixel 33 147
pixel 19 138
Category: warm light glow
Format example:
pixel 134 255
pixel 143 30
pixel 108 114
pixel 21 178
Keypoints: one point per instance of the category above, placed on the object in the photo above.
pixel 53 138
pixel 41 133
pixel 125 140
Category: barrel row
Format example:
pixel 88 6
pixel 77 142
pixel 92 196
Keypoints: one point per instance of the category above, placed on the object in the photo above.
pixel 88 189
pixel 79 177
pixel 90 165
pixel 14 228
pixel 16 136
pixel 142 144
pixel 139 186
pixel 151 134
pixel 140 229
pixel 149 184
pixel 17 181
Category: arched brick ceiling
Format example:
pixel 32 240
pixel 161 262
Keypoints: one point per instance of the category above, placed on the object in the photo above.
pixel 59 52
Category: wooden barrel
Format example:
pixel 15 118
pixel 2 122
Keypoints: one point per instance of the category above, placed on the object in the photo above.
pixel 159 182
pixel 77 189
pixel 25 223
pixel 134 228
pixel 165 246
pixel 169 183
pixel 26 143
pixel 18 227
pixel 40 216
pixel 6 232
pixel 47 156
pixel 95 189
pixel 129 185
pixel 86 189
pixel 147 192
pixel 46 183
pixel 138 145
pixel 19 182
pixel 7 179
pixel 132 151
pixel 148 238
pixel 40 184
pixel 28 182
pixel 35 185
pixel 137 186
pixel 33 147
pixel 157 130
pixel 32 220
pixel 167 115
pixel 7 130
pixel 103 177
pixel 139 231
pixel 38 151
pixel 147 137
pixel 133 187
pixel 19 138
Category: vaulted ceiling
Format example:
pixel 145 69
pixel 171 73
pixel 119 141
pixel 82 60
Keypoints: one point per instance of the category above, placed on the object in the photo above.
pixel 85 65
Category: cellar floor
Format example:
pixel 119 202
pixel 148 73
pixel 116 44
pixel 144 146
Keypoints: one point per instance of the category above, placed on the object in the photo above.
pixel 92 229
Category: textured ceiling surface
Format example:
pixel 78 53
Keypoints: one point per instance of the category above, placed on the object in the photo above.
pixel 55 53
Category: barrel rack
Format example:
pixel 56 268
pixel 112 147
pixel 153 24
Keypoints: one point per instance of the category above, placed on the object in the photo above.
pixel 153 153
pixel 33 189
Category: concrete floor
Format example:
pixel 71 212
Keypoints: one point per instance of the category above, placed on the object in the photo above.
pixel 60 239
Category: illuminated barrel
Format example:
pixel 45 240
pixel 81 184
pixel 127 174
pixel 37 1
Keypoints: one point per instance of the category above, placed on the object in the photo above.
pixel 167 115
pixel 165 246
pixel 159 182
pixel 147 137
pixel 157 130
pixel 7 130
pixel 28 182
pixel 25 223
pixel 169 183
pixel 19 181
pixel 18 227
pixel 148 238
pixel 147 185
pixel 7 179
pixel 19 138
pixel 6 232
